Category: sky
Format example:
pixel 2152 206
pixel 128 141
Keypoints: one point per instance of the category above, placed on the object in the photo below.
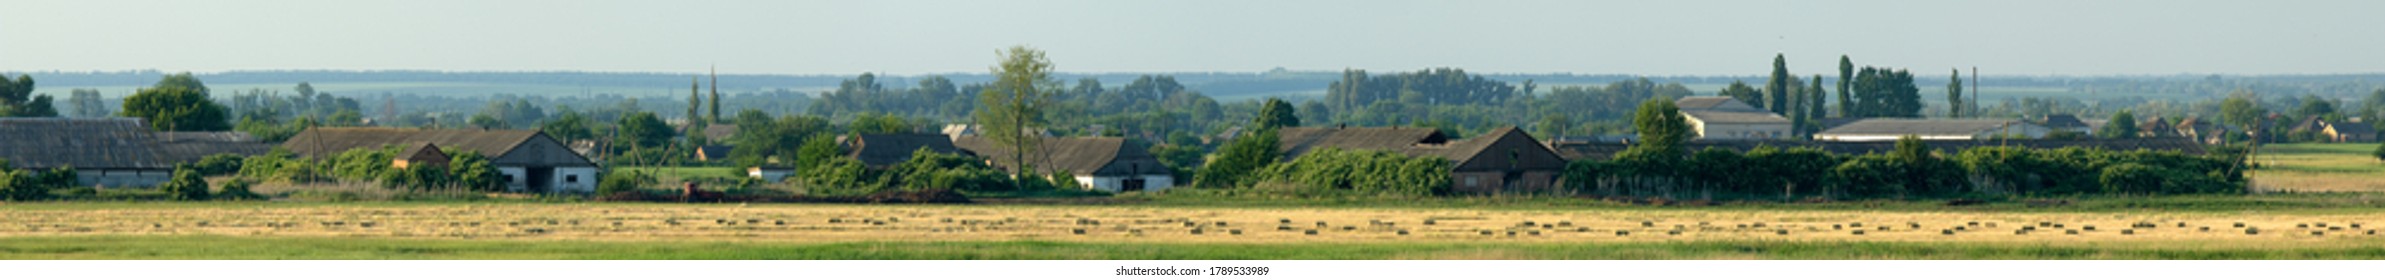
pixel 2027 37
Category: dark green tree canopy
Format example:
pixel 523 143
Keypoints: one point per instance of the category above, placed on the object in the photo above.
pixel 178 102
pixel 1276 114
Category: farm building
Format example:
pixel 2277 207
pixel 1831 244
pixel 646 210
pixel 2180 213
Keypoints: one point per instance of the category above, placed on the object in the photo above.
pixel 1101 163
pixel 1931 129
pixel 2065 122
pixel 1718 117
pixel 886 150
pixel 2202 130
pixel 530 161
pixel 102 151
pixel 420 154
pixel 769 173
pixel 712 152
pixel 1607 150
pixel 1502 160
pixel 2351 132
pixel 193 145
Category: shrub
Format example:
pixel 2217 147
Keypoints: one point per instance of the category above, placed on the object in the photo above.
pixel 186 185
pixel 219 164
pixel 237 189
pixel 1375 172
pixel 840 176
pixel 622 182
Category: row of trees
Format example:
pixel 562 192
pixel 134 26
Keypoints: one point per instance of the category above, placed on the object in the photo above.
pixel 1658 166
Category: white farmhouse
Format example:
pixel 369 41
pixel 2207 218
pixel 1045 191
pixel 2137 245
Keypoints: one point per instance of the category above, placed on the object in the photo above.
pixel 1931 129
pixel 1725 118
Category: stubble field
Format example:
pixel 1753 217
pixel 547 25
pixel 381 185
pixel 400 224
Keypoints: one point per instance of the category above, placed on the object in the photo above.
pixel 669 231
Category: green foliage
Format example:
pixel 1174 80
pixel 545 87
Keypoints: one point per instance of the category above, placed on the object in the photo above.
pixel 1881 92
pixel 472 171
pixel 17 99
pixel 1779 87
pixel 186 185
pixel 625 181
pixel 931 170
pixel 280 165
pixel 177 103
pixel 2240 110
pixel 1661 126
pixel 872 123
pixel 218 164
pixel 1911 171
pixel 643 130
pixel 816 151
pixel 840 176
pixel 1237 160
pixel 1369 172
pixel 2380 153
pixel 761 140
pixel 2122 126
pixel 1846 81
pixel 1276 114
pixel 1741 91
pixel 567 127
pixel 1016 102
pixel 1438 85
pixel 237 189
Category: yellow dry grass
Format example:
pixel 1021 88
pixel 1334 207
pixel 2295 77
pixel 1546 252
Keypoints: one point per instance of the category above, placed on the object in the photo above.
pixel 2319 168
pixel 845 223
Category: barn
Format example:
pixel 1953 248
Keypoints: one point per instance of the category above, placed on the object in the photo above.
pixel 530 160
pixel 104 152
pixel 1505 160
pixel 1101 163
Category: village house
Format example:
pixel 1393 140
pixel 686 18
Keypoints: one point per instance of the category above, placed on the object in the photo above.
pixel 1504 160
pixel 1883 129
pixel 530 160
pixel 1100 163
pixel 2332 131
pixel 2203 131
pixel 2065 123
pixel 1721 117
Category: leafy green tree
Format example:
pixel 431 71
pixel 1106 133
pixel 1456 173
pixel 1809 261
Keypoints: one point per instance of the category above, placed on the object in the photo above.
pixel 2314 106
pixel 237 189
pixel 694 102
pixel 567 127
pixel 873 123
pixel 473 172
pixel 186 185
pixel 816 149
pixel 2380 153
pixel 17 99
pixel 1745 94
pixel 1881 92
pixel 2240 110
pixel 2122 126
pixel 1014 104
pixel 1276 114
pixel 644 130
pixel 1954 94
pixel 1237 160
pixel 87 103
pixel 178 102
pixel 1662 128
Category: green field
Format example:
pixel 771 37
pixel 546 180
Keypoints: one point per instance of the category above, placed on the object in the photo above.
pixel 2319 167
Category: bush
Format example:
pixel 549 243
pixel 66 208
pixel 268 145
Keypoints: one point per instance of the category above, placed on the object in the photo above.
pixel 841 176
pixel 931 170
pixel 219 164
pixel 237 189
pixel 621 182
pixel 187 184
pixel 1373 172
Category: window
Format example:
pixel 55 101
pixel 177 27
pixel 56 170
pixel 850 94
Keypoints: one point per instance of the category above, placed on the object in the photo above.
pixel 571 178
pixel 1472 181
pixel 508 178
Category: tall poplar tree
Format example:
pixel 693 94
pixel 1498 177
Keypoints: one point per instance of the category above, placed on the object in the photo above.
pixel 1776 90
pixel 1846 74
pixel 694 101
pixel 1954 94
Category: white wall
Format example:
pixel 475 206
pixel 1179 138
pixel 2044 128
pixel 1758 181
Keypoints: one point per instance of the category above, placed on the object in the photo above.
pixel 514 181
pixel 769 175
pixel 575 179
pixel 1115 183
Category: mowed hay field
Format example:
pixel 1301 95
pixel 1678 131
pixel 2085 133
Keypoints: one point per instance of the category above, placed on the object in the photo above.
pixel 668 231
pixel 2320 167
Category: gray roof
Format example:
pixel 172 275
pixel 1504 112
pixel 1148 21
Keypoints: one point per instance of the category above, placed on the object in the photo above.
pixel 1713 103
pixel 2062 121
pixel 1423 142
pixel 503 147
pixel 101 143
pixel 191 146
pixel 1607 150
pixel 1919 127
pixel 1711 116
pixel 1084 156
pixel 2353 128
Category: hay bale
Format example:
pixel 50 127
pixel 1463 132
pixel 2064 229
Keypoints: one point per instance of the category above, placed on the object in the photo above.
pixel 1647 223
pixel 1283 227
pixel 1759 224
pixel 2070 231
pixel 1486 232
pixel 1529 223
pixel 1234 231
pixel 2318 233
pixel 1673 232
pixel 2028 227
pixel 2252 231
pixel 1283 220
pixel 1622 233
pixel 1309 232
pixel 2020 232
pixel 1565 223
pixel 2205 229
pixel 2088 227
pixel 2128 232
pixel 1077 231
pixel 1196 231
pixel 1220 223
pixel 2239 224
pixel 1946 232
pixel 1428 222
pixel 2335 228
pixel 1858 232
pixel 1403 232
pixel 1348 228
pixel 1780 232
pixel 1320 224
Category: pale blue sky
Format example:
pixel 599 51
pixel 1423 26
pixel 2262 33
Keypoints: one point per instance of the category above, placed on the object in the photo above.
pixel 911 37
